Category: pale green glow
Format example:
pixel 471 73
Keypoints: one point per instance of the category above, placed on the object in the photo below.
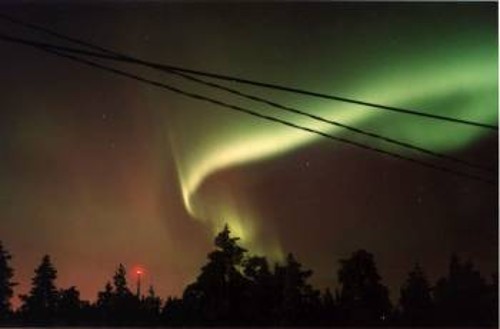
pixel 428 84
pixel 241 150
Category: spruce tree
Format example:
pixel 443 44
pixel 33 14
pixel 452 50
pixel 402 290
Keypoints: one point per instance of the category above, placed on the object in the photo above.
pixel 299 300
pixel 264 295
pixel 104 304
pixel 461 296
pixel 69 306
pixel 363 299
pixel 151 306
pixel 40 305
pixel 416 302
pixel 6 284
pixel 120 281
pixel 217 296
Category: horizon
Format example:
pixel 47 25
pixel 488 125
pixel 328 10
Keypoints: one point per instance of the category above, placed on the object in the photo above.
pixel 139 272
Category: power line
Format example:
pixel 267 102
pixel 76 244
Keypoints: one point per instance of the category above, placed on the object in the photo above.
pixel 263 116
pixel 336 123
pixel 263 100
pixel 247 81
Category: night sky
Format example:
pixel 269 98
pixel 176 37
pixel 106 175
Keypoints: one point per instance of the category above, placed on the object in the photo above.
pixel 97 169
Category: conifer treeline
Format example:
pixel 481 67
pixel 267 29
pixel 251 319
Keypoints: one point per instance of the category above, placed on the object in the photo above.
pixel 234 289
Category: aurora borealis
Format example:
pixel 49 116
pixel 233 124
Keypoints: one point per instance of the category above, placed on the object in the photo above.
pixel 97 169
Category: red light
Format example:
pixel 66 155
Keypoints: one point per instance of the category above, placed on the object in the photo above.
pixel 138 271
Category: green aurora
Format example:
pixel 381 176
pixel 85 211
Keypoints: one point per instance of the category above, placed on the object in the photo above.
pixel 454 76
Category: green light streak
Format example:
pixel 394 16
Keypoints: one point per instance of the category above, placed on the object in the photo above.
pixel 462 86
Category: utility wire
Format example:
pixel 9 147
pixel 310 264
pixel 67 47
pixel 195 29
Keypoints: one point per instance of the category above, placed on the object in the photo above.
pixel 258 99
pixel 336 123
pixel 263 116
pixel 250 82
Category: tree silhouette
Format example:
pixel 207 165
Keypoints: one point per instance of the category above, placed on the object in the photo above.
pixel 328 308
pixel 124 304
pixel 363 299
pixel 264 295
pixel 117 305
pixel 300 300
pixel 217 295
pixel 174 313
pixel 416 302
pixel 40 306
pixel 104 304
pixel 490 301
pixel 6 284
pixel 233 289
pixel 462 297
pixel 69 306
pixel 120 282
pixel 150 308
